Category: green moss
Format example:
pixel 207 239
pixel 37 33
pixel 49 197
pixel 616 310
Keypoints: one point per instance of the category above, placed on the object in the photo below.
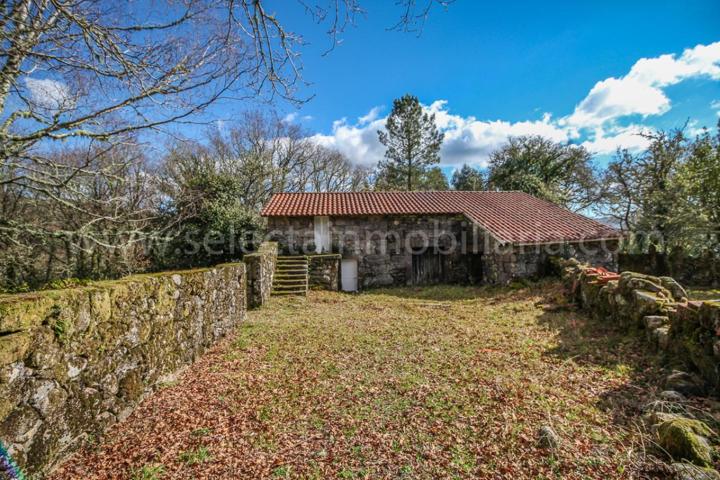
pixel 64 283
pixel 686 439
pixel 60 328
pixel 704 294
pixel 104 284
pixel 698 348
pixel 23 312
pixel 13 347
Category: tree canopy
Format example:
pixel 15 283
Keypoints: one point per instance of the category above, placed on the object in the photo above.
pixel 468 178
pixel 557 172
pixel 667 195
pixel 412 142
pixel 91 89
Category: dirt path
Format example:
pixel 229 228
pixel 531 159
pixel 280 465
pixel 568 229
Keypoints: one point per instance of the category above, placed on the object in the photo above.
pixel 444 382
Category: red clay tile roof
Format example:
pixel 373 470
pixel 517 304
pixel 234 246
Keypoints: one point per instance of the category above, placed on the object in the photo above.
pixel 511 217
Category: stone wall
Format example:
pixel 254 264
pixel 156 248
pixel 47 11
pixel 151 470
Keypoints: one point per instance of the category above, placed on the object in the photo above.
pixel 688 332
pixel 386 246
pixel 503 265
pixel 324 272
pixel 260 268
pixel 700 271
pixel 73 362
pixel 383 244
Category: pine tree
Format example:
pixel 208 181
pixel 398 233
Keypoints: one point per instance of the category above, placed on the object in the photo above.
pixel 413 144
pixel 467 178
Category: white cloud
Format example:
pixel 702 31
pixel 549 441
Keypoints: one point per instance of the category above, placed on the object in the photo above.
pixel 372 115
pixel 47 93
pixel 614 98
pixel 596 122
pixel 467 140
pixel 290 117
pixel 293 117
pixel 694 128
pixel 358 142
pixel 640 92
pixel 604 141
pixel 715 105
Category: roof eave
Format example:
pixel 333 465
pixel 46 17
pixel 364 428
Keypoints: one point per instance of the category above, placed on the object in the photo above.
pixel 566 241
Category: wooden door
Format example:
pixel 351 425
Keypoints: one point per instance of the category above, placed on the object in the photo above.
pixel 429 268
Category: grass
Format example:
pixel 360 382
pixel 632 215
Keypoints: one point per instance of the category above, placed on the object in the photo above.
pixel 439 382
pixel 149 472
pixel 195 456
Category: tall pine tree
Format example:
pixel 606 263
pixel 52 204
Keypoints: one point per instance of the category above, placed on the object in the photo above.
pixel 413 145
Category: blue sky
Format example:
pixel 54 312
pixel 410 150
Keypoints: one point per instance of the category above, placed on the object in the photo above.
pixel 509 60
pixel 505 63
pixel 593 73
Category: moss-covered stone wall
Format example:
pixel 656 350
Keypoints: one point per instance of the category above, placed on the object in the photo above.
pixel 689 332
pixel 696 271
pixel 73 362
pixel 504 265
pixel 260 270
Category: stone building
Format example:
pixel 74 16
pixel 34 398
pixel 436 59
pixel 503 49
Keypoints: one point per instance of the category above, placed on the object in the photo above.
pixel 417 238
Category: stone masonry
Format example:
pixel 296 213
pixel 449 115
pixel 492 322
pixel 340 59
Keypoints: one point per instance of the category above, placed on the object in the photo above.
pixel 458 250
pixel 75 361
pixel 324 271
pixel 260 270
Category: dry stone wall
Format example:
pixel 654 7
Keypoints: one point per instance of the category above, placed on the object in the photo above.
pixel 703 270
pixel 260 270
pixel 324 272
pixel 73 362
pixel 687 331
pixel 504 264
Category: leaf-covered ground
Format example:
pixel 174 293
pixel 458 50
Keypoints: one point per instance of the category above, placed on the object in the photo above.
pixel 439 382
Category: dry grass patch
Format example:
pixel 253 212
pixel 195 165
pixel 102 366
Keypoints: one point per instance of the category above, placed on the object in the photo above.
pixel 440 382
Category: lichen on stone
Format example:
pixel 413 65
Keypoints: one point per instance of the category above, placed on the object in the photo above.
pixel 686 439
pixel 74 361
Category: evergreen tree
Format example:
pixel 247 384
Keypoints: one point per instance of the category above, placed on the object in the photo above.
pixel 434 179
pixel 468 179
pixel 413 145
pixel 700 177
pixel 557 172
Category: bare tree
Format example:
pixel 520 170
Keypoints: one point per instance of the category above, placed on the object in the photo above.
pixel 265 155
pixel 100 75
pixel 331 171
pixel 90 228
pixel 93 69
pixel 215 188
